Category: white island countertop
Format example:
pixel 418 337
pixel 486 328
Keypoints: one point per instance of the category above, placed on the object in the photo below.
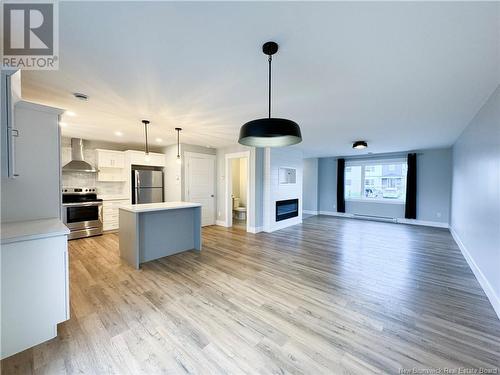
pixel 32 230
pixel 148 207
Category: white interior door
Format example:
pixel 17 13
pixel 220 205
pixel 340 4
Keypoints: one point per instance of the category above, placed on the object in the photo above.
pixel 200 184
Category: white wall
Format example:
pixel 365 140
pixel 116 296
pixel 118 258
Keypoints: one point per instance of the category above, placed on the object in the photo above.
pixel 475 214
pixel 274 191
pixel 310 186
pixel 434 171
pixel 172 175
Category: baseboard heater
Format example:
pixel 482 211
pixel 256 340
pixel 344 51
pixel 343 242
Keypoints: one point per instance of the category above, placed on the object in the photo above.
pixel 376 218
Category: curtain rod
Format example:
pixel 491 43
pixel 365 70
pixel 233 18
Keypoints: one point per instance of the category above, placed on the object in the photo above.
pixel 375 156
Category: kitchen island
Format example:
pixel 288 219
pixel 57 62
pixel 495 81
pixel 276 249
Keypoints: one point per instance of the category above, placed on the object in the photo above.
pixel 154 230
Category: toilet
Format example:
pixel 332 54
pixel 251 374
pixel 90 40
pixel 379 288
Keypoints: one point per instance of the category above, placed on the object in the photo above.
pixel 239 213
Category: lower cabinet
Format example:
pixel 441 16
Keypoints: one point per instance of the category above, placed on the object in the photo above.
pixel 35 292
pixel 110 213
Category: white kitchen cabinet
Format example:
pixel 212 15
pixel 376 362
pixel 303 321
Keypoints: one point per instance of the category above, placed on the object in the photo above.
pixel 35 283
pixel 110 159
pixel 111 174
pixel 111 165
pixel 140 158
pixel 110 215
pixel 36 192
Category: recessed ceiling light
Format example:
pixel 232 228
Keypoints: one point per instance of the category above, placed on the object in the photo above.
pixel 118 133
pixel 70 113
pixel 360 145
pixel 159 140
pixel 63 124
pixel 80 96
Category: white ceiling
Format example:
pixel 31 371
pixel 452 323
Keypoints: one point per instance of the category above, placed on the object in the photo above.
pixel 402 76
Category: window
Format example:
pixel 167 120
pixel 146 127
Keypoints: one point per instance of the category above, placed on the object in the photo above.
pixel 381 180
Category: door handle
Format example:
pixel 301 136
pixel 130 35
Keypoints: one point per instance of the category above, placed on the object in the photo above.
pixel 212 195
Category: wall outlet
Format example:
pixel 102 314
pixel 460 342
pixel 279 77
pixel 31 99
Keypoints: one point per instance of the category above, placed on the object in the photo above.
pixel 218 214
pixel 438 214
pixel 334 206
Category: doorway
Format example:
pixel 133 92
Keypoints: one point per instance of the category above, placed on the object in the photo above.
pixel 238 205
pixel 200 184
pixel 239 191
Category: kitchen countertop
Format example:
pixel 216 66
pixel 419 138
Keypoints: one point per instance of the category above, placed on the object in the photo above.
pixel 148 207
pixel 31 230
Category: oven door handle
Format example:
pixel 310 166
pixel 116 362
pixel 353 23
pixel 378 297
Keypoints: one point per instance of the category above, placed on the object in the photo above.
pixel 82 204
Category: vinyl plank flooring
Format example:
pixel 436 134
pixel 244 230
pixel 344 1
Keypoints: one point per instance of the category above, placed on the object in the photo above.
pixel 331 295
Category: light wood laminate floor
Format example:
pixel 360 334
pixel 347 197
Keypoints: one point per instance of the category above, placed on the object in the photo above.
pixel 329 296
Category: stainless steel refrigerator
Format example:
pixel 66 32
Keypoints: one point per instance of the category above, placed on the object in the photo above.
pixel 147 186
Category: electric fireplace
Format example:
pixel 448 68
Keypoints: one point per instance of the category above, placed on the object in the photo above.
pixel 287 209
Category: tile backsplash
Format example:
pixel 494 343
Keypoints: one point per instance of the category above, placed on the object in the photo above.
pixel 83 179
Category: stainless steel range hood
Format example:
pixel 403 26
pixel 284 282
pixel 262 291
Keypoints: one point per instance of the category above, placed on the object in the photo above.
pixel 77 164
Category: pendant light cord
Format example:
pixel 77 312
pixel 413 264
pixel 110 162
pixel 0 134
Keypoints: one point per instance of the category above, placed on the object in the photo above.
pixel 270 59
pixel 146 131
pixel 178 155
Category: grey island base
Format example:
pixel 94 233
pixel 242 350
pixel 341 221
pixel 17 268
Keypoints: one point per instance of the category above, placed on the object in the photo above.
pixel 155 230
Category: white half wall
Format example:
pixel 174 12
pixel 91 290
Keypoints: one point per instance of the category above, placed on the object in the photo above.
pixel 475 214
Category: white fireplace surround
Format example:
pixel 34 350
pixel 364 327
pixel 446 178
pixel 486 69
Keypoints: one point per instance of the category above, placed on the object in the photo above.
pixel 274 160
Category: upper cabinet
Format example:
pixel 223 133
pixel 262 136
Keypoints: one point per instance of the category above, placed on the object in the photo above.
pixel 110 165
pixel 110 159
pixel 140 158
pixel 115 165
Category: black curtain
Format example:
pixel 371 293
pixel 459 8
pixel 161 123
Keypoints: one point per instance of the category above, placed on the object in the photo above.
pixel 411 188
pixel 340 185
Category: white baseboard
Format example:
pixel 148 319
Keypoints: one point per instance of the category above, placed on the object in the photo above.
pixel 284 224
pixel 222 223
pixel 255 229
pixel 335 213
pixel 483 281
pixel 309 212
pixel 435 224
pixel 425 223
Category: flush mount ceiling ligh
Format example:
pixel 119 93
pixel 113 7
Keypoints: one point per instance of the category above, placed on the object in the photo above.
pixel 270 132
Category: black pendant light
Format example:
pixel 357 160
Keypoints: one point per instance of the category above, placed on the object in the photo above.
pixel 270 132
pixel 360 145
pixel 146 123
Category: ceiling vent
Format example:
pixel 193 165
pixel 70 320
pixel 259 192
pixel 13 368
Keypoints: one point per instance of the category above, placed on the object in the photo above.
pixel 81 96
